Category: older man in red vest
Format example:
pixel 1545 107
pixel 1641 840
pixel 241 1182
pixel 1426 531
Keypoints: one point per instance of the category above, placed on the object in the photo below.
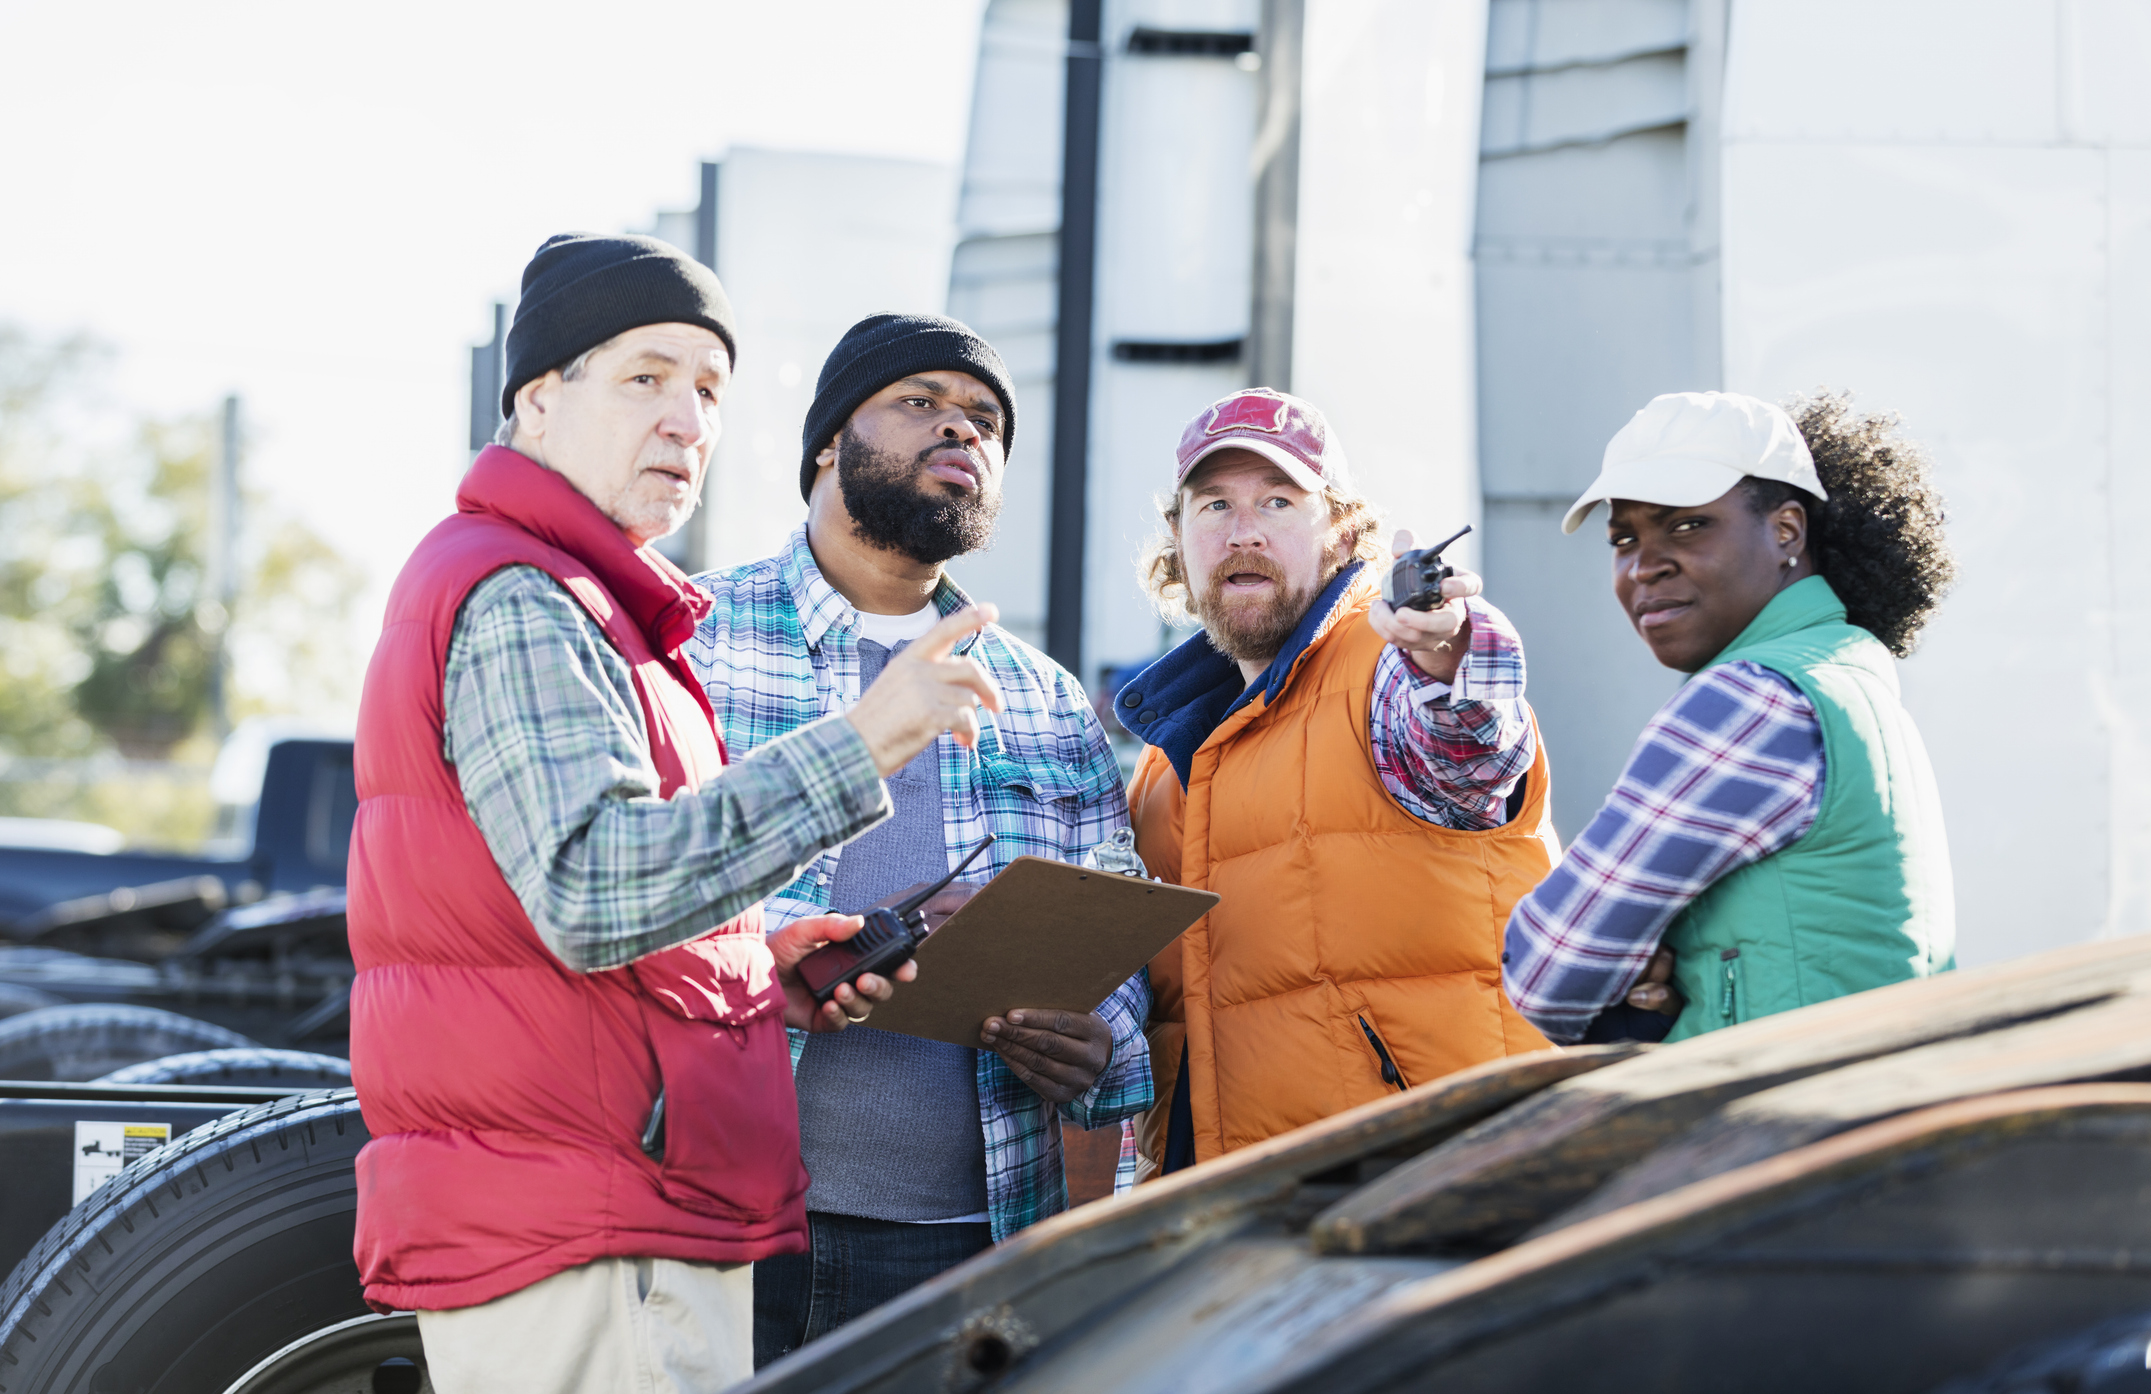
pixel 567 1026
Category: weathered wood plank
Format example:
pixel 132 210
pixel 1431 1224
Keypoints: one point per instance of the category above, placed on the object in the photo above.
pixel 2111 1041
pixel 1218 1323
pixel 1500 1179
pixel 1888 1257
pixel 1057 1275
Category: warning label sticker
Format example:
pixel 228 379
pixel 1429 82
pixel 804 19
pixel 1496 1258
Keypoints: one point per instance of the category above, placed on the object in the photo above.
pixel 102 1149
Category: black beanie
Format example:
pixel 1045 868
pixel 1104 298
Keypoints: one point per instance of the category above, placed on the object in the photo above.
pixel 880 349
pixel 584 287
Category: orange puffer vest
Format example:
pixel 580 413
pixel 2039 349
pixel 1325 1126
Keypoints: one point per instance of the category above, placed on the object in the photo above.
pixel 1338 908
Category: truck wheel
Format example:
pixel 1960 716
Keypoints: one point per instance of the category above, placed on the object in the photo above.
pixel 220 1263
pixel 258 1066
pixel 84 1040
pixel 16 999
pixel 377 1354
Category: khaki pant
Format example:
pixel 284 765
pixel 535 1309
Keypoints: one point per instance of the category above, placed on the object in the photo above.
pixel 616 1326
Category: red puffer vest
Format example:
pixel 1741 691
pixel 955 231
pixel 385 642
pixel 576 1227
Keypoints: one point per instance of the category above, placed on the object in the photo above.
pixel 505 1092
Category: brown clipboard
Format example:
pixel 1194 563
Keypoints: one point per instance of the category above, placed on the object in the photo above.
pixel 1041 934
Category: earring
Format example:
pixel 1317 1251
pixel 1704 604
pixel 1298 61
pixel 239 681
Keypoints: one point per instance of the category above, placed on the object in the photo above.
pixel 1790 562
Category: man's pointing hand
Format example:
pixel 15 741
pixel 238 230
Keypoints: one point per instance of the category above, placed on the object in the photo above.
pixel 1437 639
pixel 926 690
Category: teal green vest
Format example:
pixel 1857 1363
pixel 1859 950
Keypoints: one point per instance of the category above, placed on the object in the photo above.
pixel 1864 898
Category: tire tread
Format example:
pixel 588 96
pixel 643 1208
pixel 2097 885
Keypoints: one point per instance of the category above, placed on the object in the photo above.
pixel 133 1194
pixel 301 1069
pixel 36 1035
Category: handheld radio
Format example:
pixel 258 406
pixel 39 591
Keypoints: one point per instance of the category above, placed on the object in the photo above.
pixel 889 936
pixel 1414 583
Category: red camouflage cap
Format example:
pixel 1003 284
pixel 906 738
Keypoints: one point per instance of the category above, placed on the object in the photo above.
pixel 1288 432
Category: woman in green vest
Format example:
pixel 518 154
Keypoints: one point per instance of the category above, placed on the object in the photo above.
pixel 1775 838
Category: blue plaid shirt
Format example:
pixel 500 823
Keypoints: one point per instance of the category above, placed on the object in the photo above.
pixel 780 651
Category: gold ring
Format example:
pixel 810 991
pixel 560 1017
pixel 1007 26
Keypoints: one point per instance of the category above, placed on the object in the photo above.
pixel 854 1020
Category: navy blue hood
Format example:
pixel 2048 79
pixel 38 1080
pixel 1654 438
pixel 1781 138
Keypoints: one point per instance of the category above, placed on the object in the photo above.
pixel 1176 702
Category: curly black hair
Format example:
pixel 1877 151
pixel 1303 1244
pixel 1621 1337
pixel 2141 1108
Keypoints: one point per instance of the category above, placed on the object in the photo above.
pixel 1878 540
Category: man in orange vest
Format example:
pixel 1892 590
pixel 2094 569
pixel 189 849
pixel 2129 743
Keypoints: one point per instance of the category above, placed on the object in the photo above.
pixel 1364 786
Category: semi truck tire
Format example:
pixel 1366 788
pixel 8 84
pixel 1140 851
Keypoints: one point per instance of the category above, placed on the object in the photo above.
pixel 16 999
pixel 220 1263
pixel 258 1066
pixel 85 1040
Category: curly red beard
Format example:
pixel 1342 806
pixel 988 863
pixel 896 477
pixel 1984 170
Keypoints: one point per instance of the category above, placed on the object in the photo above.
pixel 1248 630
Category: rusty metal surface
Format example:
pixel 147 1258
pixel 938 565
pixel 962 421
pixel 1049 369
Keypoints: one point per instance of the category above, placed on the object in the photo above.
pixel 1890 1257
pixel 1221 1322
pixel 1060 1277
pixel 1517 1171
pixel 1866 1194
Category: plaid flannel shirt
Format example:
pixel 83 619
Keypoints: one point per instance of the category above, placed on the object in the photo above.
pixel 1728 772
pixel 781 651
pixel 1451 752
pixel 550 747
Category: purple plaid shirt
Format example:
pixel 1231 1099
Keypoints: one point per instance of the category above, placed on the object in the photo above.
pixel 1728 772
pixel 1451 753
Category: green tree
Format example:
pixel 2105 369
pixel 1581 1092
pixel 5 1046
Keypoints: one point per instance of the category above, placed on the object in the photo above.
pixel 291 627
pixel 108 639
pixel 149 631
pixel 48 560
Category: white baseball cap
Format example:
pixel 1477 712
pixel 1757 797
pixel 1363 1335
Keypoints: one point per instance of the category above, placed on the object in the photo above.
pixel 1687 448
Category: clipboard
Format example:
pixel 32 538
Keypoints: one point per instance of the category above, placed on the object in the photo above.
pixel 1042 934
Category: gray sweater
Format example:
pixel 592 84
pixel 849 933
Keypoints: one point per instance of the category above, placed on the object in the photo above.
pixel 889 1123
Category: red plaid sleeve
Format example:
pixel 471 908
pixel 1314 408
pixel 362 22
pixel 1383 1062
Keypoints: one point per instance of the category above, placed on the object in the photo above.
pixel 1452 753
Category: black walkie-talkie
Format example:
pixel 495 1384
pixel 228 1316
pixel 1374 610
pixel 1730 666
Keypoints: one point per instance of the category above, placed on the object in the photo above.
pixel 1414 582
pixel 882 944
pixel 889 936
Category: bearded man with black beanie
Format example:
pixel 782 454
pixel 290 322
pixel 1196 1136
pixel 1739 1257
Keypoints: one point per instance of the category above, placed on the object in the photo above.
pixel 920 1153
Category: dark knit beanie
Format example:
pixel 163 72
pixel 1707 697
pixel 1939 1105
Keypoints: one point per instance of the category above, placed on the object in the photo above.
pixel 880 349
pixel 584 287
